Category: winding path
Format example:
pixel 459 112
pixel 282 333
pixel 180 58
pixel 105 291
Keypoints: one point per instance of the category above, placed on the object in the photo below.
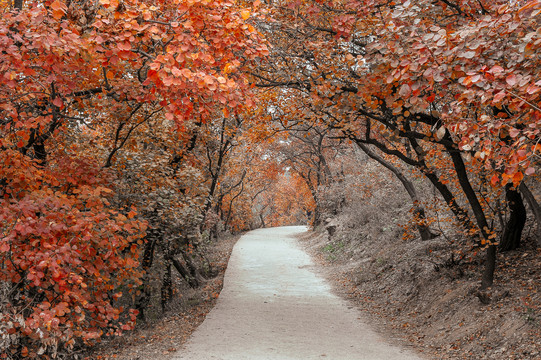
pixel 273 306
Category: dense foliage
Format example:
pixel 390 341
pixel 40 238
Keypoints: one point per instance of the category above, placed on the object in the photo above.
pixel 132 132
pixel 103 107
pixel 447 89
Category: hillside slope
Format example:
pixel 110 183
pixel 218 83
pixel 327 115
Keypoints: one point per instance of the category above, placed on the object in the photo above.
pixel 420 288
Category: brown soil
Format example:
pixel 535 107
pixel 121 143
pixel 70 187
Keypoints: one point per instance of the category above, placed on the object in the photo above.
pixel 160 339
pixel 422 295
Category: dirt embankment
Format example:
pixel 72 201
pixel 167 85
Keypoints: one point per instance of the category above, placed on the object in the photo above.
pixel 429 298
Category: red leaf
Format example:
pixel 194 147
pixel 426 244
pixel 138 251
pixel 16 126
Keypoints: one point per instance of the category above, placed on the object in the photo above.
pixel 514 132
pixel 405 90
pixel 4 246
pixel 58 102
pixel 529 171
pixel 511 79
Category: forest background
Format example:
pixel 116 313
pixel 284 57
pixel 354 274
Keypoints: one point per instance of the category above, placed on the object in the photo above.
pixel 134 133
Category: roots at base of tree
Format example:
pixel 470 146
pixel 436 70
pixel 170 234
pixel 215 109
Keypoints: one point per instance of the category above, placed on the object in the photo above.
pixel 188 272
pixel 424 230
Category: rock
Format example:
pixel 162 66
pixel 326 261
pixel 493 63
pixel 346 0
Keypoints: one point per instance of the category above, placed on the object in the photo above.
pixel 331 229
pixel 331 226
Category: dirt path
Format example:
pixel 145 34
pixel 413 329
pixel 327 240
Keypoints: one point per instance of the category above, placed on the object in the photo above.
pixel 273 306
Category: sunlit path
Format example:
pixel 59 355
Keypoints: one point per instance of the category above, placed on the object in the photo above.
pixel 273 306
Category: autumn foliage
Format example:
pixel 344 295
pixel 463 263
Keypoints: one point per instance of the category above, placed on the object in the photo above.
pixel 91 95
pixel 66 253
pixel 132 132
pixel 445 89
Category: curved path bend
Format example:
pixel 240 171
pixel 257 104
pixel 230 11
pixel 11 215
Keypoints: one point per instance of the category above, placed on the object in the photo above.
pixel 273 306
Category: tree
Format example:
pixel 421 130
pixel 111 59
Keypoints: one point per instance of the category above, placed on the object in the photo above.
pixel 305 151
pixel 93 94
pixel 419 213
pixel 421 81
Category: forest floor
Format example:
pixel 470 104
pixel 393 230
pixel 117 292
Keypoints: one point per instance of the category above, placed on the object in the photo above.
pixel 161 338
pixel 420 293
pixel 415 291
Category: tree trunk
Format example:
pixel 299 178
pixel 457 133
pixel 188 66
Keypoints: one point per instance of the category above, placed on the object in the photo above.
pixel 462 175
pixel 487 278
pixel 233 198
pixel 223 149
pixel 317 209
pixel 317 220
pixel 167 286
pixel 517 219
pixel 143 299
pixel 316 217
pixel 460 214
pixel 418 211
pixel 536 209
pixel 184 273
pixel 192 268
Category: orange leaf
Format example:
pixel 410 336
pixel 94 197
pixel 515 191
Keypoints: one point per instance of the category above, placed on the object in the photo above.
pixel 58 9
pixel 517 178
pixel 58 5
pixel 245 14
pixel 124 46
pixel 532 89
